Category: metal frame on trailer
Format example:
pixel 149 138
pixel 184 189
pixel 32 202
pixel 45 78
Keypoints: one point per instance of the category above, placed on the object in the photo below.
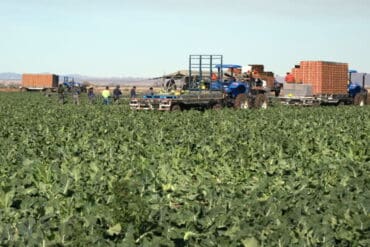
pixel 300 101
pixel 204 63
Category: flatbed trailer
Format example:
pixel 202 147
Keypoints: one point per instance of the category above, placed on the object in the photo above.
pixel 200 100
pixel 300 101
pixel 39 82
pixel 303 94
pixel 192 100
pixel 359 99
pixel 335 100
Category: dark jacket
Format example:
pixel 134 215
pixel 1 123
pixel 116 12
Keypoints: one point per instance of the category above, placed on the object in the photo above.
pixel 117 93
pixel 133 93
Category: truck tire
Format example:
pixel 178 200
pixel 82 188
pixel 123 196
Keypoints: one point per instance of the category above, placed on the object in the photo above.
pixel 261 101
pixel 242 102
pixel 341 103
pixel 176 107
pixel 359 100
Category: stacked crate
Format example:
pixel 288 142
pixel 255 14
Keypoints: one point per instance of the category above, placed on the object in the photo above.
pixel 259 68
pixel 259 72
pixel 297 73
pixel 325 77
pixel 268 76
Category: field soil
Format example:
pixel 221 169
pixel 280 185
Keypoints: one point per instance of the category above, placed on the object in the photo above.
pixel 6 89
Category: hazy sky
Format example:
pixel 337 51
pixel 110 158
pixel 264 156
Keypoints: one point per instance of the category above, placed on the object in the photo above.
pixel 152 37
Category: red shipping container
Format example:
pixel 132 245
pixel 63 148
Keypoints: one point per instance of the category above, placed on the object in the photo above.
pixel 40 80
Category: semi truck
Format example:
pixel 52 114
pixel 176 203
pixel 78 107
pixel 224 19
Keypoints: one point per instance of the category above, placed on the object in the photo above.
pixel 324 83
pixel 208 87
pixel 39 82
pixel 47 82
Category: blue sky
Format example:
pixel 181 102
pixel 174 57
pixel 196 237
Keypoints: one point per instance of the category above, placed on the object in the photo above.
pixel 153 37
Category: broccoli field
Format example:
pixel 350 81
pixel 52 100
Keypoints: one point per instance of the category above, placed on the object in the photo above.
pixel 96 175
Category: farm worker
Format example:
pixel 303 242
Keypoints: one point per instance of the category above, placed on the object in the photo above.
pixel 76 95
pixel 133 92
pixel 91 95
pixel 106 94
pixel 289 78
pixel 61 93
pixel 171 85
pixel 116 94
pixel 258 82
pixel 277 88
pixel 150 92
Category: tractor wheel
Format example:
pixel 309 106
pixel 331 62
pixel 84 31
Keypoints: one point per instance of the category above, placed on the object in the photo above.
pixel 247 104
pixel 176 107
pixel 261 101
pixel 242 102
pixel 359 100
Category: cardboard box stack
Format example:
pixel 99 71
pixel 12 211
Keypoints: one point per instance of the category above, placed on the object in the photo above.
pixel 269 78
pixel 297 73
pixel 325 77
pixel 259 68
pixel 258 72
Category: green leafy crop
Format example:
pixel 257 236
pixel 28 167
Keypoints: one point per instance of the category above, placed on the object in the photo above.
pixel 95 175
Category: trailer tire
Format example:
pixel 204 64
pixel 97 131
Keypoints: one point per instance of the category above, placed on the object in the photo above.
pixel 242 102
pixel 217 106
pixel 359 100
pixel 341 103
pixel 176 107
pixel 261 101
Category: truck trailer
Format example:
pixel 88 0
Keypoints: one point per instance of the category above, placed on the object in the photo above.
pixel 39 82
pixel 48 83
pixel 323 83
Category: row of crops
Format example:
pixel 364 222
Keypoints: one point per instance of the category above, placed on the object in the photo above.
pixel 95 175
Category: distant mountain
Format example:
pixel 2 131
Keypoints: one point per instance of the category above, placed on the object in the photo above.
pixel 78 77
pixel 108 80
pixel 10 76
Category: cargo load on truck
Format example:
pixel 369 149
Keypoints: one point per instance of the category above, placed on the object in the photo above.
pixel 39 81
pixel 324 83
pixel 324 77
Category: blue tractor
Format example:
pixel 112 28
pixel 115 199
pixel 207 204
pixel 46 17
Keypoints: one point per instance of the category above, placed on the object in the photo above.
pixel 356 91
pixel 243 91
pixel 69 83
pixel 208 87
